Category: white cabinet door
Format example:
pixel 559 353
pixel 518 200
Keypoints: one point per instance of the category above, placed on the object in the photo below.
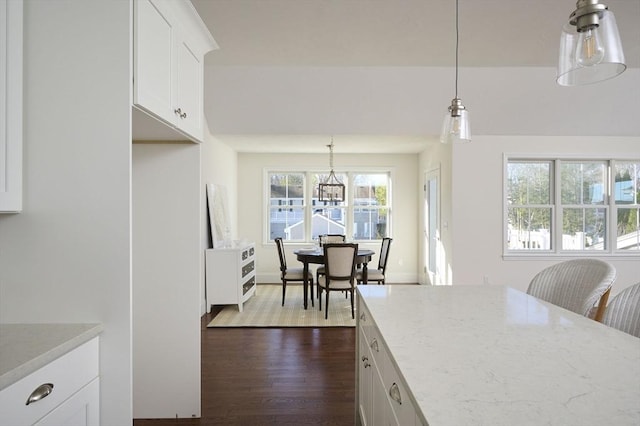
pixel 81 409
pixel 365 367
pixel 188 94
pixel 11 105
pixel 153 64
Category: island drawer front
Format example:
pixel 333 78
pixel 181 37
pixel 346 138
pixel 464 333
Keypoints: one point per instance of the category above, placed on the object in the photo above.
pixel 68 374
pixel 365 321
pixel 395 388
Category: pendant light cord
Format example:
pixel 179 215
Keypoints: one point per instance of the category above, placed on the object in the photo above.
pixel 457 43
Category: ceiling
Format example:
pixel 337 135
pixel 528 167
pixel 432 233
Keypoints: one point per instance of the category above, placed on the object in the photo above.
pixel 391 33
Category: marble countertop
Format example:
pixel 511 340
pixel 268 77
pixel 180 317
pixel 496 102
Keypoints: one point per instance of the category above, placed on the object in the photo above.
pixel 24 348
pixel 491 355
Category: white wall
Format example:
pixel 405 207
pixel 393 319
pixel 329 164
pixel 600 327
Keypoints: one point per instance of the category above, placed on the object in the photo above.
pixel 167 270
pixel 402 263
pixel 66 257
pixel 413 101
pixel 477 206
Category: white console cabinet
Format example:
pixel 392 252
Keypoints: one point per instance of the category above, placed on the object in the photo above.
pixel 64 392
pixel 11 23
pixel 170 41
pixel 230 275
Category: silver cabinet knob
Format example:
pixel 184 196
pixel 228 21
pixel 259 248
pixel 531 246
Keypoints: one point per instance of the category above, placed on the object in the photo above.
pixel 41 391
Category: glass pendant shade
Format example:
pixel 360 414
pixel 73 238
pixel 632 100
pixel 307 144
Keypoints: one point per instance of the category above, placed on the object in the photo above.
pixel 456 127
pixel 590 51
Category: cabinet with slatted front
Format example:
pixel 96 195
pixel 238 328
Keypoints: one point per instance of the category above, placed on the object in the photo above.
pixel 230 275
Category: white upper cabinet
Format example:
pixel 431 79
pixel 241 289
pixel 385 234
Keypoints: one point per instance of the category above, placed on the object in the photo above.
pixel 170 41
pixel 11 105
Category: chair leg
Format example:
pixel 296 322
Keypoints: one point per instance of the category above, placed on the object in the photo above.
pixel 353 312
pixel 319 298
pixel 326 308
pixel 311 292
pixel 284 290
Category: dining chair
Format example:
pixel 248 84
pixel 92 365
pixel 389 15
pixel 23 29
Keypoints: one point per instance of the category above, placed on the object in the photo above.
pixel 340 272
pixel 623 312
pixel 326 239
pixel 291 274
pixel 377 275
pixel 577 285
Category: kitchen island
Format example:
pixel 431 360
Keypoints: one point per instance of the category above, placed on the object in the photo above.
pixel 489 355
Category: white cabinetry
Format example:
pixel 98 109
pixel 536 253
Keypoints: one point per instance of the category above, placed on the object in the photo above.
pixel 65 392
pixel 170 41
pixel 11 12
pixel 230 275
pixel 382 396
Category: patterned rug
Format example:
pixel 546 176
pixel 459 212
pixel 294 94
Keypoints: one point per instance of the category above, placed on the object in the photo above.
pixel 264 309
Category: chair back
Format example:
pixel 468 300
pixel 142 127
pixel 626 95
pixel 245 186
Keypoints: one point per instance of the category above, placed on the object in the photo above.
pixel 340 262
pixel 384 254
pixel 331 239
pixel 283 259
pixel 576 285
pixel 623 312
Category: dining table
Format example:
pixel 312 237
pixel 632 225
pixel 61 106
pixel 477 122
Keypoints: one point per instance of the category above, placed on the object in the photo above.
pixel 315 255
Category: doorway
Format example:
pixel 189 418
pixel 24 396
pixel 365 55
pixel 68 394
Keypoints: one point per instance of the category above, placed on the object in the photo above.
pixel 431 226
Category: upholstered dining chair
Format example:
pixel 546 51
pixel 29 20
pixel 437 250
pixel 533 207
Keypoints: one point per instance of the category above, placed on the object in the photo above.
pixel 577 285
pixel 340 272
pixel 623 312
pixel 328 239
pixel 290 274
pixel 377 275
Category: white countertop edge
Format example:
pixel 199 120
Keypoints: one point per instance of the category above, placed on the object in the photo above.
pixel 80 333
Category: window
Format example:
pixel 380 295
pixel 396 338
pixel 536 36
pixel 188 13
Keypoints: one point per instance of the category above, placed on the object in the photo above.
pixel 296 214
pixel 572 206
pixel 370 206
pixel 286 205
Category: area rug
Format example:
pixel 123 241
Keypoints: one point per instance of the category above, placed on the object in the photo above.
pixel 264 309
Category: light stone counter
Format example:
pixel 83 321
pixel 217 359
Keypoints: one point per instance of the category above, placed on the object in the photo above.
pixel 24 348
pixel 489 355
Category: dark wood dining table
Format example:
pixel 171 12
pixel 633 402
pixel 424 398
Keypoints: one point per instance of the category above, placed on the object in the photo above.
pixel 316 256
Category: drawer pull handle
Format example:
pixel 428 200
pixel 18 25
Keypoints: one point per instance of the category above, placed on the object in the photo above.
pixel 394 393
pixel 374 345
pixel 41 391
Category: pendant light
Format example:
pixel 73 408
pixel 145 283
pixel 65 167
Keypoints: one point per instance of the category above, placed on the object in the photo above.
pixel 332 190
pixel 590 47
pixel 456 127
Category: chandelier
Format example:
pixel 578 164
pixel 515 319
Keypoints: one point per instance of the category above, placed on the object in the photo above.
pixel 332 189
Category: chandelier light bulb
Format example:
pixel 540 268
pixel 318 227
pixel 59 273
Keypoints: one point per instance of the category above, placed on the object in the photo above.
pixel 589 51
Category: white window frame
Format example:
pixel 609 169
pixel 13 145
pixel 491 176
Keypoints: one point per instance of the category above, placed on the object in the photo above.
pixel 308 190
pixel 556 250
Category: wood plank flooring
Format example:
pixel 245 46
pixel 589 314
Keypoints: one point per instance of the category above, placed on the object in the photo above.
pixel 274 376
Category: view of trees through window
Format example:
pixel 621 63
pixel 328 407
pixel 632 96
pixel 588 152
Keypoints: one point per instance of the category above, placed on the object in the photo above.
pixel 577 217
pixel 296 214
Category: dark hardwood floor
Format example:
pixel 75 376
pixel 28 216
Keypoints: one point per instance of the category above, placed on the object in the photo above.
pixel 274 376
